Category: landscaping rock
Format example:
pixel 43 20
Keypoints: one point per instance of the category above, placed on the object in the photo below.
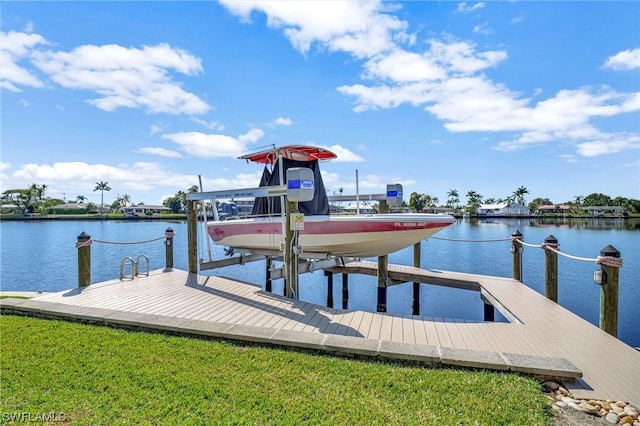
pixel 612 418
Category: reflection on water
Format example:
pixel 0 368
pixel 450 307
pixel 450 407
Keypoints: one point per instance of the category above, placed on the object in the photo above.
pixel 630 224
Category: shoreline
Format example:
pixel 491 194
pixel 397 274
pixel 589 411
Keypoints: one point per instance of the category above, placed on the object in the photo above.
pixel 179 216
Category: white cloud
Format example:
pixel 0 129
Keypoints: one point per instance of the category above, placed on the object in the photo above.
pixel 16 47
pixel 126 77
pixel 162 152
pixel 569 158
pixel 482 29
pixel 205 145
pixel 213 125
pixel 80 177
pixel 155 128
pixel 361 28
pixel 281 121
pixel 623 61
pixel 464 8
pixel 344 154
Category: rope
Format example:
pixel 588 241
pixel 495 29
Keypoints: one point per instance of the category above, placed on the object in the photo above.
pixel 93 240
pixel 614 262
pixel 471 241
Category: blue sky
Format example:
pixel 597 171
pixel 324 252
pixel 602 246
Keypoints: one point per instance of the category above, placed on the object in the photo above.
pixel 471 96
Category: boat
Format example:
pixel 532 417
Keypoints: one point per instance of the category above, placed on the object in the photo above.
pixel 368 235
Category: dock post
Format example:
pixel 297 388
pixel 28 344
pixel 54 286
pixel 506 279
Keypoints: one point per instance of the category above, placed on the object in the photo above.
pixel 415 307
pixel 489 310
pixel 383 273
pixel 83 244
pixel 345 291
pixel 168 247
pixel 551 269
pixel 329 276
pixel 192 236
pixel 267 284
pixel 516 250
pixel 609 292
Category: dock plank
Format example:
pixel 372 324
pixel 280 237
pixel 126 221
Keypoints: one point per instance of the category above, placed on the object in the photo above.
pixel 610 368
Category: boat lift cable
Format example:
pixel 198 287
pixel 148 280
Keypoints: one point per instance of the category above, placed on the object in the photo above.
pixel 204 218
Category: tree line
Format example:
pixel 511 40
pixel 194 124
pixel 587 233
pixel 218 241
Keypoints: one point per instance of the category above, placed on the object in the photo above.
pixel 33 199
pixel 419 202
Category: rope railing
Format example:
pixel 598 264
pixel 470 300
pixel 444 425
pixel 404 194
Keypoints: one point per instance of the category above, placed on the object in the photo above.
pixel 94 240
pixel 600 260
pixel 607 277
pixel 615 262
pixel 84 242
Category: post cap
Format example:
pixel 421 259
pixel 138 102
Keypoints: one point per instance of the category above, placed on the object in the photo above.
pixel 84 236
pixel 516 234
pixel 609 251
pixel 169 230
pixel 551 240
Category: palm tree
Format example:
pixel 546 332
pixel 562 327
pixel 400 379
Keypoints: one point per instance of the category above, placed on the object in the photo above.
pixel 81 199
pixel 453 197
pixel 126 199
pixel 102 186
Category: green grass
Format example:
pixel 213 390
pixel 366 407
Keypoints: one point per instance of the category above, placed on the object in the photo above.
pixel 99 375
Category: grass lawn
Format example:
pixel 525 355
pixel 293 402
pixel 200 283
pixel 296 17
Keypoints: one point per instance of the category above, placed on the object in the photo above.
pixel 100 375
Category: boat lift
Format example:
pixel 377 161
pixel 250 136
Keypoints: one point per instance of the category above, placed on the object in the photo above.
pixel 291 251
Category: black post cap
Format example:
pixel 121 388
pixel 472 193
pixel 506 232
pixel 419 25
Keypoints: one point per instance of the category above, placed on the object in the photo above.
pixel 84 236
pixel 609 251
pixel 516 234
pixel 551 240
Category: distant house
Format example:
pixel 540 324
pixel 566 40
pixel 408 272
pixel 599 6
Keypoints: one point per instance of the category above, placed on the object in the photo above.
pixel 554 209
pixel 503 209
pixel 145 209
pixel 602 210
pixel 9 208
pixel 364 209
pixel 69 208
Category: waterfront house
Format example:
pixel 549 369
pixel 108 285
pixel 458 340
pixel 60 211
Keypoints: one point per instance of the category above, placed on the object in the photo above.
pixel 503 209
pixel 145 209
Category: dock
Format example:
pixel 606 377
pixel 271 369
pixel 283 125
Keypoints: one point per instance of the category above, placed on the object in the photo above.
pixel 542 338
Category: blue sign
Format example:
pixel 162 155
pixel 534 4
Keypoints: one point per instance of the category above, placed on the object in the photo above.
pixel 297 184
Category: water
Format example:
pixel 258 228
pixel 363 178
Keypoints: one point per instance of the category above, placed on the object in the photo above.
pixel 41 255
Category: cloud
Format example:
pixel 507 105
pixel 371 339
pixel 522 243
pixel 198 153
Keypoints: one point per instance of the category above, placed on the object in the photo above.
pixel 361 28
pixel 344 154
pixel 120 76
pixel 205 145
pixel 464 8
pixel 623 61
pixel 281 121
pixel 213 125
pixel 482 29
pixel 16 47
pixel 80 177
pixel 162 152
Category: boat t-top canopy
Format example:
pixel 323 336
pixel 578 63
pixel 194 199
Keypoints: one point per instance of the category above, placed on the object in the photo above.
pixel 290 152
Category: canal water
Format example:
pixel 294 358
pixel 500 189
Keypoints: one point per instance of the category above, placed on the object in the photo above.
pixel 41 255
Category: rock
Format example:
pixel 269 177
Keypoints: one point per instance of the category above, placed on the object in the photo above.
pixel 563 391
pixel 626 420
pixel 551 385
pixel 612 418
pixel 588 408
pixel 576 406
pixel 567 400
pixel 616 409
pixel 606 405
pixel 631 411
pixel 561 404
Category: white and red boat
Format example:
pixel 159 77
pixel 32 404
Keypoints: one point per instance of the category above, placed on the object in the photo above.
pixel 331 235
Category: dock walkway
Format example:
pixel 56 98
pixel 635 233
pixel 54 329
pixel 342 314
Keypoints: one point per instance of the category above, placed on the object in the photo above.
pixel 542 339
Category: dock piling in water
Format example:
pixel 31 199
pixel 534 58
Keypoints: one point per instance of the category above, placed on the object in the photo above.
pixel 168 246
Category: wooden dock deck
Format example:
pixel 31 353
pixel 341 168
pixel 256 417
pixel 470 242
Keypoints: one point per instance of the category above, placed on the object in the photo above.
pixel 542 338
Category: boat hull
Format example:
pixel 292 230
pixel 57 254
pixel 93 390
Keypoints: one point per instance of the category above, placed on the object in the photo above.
pixel 354 236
